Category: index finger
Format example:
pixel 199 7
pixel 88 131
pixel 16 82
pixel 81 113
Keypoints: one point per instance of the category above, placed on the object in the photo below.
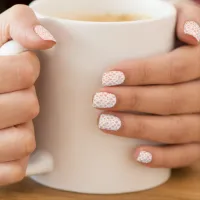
pixel 178 66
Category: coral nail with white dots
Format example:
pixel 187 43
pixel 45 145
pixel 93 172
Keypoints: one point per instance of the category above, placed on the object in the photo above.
pixel 193 29
pixel 43 33
pixel 104 100
pixel 144 157
pixel 109 122
pixel 113 78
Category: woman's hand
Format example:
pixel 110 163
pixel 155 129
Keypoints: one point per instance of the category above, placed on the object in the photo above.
pixel 166 89
pixel 18 99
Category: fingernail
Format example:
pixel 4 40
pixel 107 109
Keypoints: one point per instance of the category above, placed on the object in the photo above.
pixel 113 78
pixel 193 29
pixel 109 122
pixel 44 33
pixel 144 157
pixel 104 100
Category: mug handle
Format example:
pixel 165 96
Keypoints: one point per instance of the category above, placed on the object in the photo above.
pixel 41 162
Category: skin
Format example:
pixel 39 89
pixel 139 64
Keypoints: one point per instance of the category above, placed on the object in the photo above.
pixel 165 89
pixel 18 100
pixel 19 104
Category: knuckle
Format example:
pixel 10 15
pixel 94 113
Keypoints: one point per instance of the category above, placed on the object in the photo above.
pixel 16 14
pixel 181 131
pixel 18 9
pixel 28 143
pixel 144 71
pixel 134 100
pixel 172 103
pixel 30 70
pixel 33 107
pixel 177 70
pixel 140 129
pixel 176 135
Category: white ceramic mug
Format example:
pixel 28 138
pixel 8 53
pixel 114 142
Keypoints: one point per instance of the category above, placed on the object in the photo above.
pixel 80 157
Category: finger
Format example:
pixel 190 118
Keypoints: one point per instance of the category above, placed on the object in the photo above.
pixel 16 142
pixel 188 29
pixel 160 100
pixel 180 65
pixel 18 72
pixel 18 107
pixel 12 172
pixel 168 156
pixel 167 130
pixel 24 28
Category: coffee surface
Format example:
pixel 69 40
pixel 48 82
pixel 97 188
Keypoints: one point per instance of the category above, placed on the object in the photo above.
pixel 105 17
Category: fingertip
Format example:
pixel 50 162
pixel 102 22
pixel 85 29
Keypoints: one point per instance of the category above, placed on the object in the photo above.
pixel 43 45
pixel 143 156
pixel 37 41
pixel 188 39
pixel 188 27
pixel 43 33
pixel 45 39
pixel 32 42
pixel 191 32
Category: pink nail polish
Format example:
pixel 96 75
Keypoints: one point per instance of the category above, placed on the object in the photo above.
pixel 144 157
pixel 193 29
pixel 43 33
pixel 104 100
pixel 113 78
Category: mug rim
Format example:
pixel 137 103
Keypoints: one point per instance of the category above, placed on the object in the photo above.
pixel 172 14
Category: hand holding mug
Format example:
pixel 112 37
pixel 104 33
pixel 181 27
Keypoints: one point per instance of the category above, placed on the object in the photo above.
pixel 18 100
pixel 70 76
pixel 166 87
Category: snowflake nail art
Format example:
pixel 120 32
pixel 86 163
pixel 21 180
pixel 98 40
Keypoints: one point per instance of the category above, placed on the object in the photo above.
pixel 113 78
pixel 104 100
pixel 109 122
pixel 145 157
pixel 44 33
pixel 193 29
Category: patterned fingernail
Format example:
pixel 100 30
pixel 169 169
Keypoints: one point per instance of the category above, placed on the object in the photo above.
pixel 144 157
pixel 109 122
pixel 113 78
pixel 193 29
pixel 44 33
pixel 104 100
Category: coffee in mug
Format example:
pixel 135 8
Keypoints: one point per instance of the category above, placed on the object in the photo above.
pixel 112 17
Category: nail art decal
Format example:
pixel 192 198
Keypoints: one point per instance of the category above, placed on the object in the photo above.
pixel 193 29
pixel 113 78
pixel 109 122
pixel 44 33
pixel 104 100
pixel 145 157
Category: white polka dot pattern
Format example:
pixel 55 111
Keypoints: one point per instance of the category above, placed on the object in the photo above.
pixel 104 100
pixel 44 33
pixel 113 78
pixel 145 157
pixel 109 122
pixel 193 29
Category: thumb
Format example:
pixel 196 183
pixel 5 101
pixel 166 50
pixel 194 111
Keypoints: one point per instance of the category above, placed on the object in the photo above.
pixel 19 23
pixel 188 27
